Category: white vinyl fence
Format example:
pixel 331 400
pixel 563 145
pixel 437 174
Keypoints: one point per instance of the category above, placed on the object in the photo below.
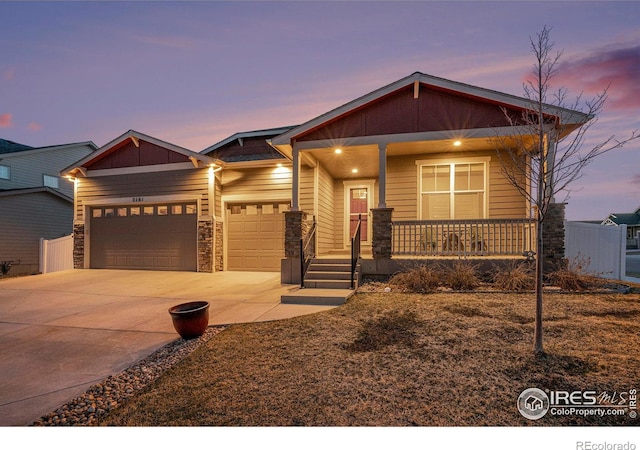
pixel 598 249
pixel 56 254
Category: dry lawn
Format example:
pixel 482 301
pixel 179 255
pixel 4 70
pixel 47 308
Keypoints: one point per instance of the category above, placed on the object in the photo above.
pixel 389 359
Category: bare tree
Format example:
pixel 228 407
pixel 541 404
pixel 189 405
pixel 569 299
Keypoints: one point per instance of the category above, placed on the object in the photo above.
pixel 543 152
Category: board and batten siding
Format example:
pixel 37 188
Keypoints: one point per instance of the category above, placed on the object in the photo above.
pixel 26 218
pixel 504 200
pixel 193 182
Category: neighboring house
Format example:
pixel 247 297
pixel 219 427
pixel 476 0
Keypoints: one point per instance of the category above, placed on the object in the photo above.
pixel 632 221
pixel 413 162
pixel 35 202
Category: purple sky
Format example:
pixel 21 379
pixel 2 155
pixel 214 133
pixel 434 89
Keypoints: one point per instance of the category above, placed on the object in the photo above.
pixel 193 73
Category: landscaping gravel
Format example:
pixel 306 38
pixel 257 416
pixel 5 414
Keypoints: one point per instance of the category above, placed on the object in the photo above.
pixel 88 408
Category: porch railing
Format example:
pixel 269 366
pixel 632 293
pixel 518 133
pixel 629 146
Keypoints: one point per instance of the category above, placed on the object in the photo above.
pixel 479 237
pixel 307 251
pixel 355 250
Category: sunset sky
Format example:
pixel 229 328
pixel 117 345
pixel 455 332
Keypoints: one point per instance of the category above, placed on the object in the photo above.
pixel 193 73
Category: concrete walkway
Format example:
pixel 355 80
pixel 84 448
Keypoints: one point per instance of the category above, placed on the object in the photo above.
pixel 60 333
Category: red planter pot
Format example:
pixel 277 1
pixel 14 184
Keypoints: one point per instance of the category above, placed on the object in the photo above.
pixel 190 319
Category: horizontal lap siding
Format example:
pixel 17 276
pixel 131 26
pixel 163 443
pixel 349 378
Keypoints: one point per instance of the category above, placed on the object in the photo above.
pixel 253 182
pixel 27 218
pixel 326 210
pixel 182 182
pixel 402 186
pixel 504 198
pixel 307 191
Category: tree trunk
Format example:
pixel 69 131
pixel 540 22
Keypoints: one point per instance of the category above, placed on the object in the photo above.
pixel 537 337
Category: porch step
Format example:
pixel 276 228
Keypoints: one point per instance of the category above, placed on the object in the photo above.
pixel 327 297
pixel 329 273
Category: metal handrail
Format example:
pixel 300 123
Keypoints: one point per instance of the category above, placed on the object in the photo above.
pixel 355 250
pixel 307 251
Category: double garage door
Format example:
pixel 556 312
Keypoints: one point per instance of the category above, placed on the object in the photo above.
pixel 146 237
pixel 164 237
pixel 255 236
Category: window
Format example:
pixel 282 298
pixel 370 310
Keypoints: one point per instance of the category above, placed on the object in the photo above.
pixel 5 172
pixel 176 209
pixel 97 212
pixel 134 211
pixel 52 182
pixel 453 190
pixel 148 210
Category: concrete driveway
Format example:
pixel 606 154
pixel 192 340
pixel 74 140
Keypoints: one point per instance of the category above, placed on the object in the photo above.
pixel 60 333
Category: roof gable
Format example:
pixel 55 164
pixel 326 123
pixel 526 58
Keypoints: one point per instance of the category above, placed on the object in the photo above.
pixel 247 146
pixel 371 112
pixel 414 109
pixel 134 149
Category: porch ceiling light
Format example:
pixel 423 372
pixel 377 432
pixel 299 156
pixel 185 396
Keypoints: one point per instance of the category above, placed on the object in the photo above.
pixel 354 170
pixel 457 143
pixel 337 151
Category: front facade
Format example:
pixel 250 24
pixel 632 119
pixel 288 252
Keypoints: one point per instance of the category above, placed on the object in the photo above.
pixel 35 201
pixel 415 163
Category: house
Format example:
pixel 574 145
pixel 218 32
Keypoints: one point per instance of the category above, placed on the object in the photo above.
pixel 412 167
pixel 35 202
pixel 632 221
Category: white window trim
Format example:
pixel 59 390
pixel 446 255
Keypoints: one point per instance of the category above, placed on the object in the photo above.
pixel 51 177
pixel 453 161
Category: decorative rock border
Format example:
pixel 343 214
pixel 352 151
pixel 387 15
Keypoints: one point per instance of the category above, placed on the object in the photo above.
pixel 100 399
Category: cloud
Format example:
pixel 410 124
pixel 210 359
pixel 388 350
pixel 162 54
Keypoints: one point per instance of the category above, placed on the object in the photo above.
pixel 34 126
pixel 6 120
pixel 618 68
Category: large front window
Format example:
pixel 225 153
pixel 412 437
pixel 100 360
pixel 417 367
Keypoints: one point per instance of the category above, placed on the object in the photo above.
pixel 453 190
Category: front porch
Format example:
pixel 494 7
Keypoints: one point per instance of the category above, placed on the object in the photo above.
pixel 395 244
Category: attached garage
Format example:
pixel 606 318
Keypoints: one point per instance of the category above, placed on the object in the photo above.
pixel 255 236
pixel 144 237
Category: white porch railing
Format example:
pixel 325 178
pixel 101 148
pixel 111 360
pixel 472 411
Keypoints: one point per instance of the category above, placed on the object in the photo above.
pixel 479 237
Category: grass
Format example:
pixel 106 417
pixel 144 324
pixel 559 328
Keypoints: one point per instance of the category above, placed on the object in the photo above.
pixel 394 359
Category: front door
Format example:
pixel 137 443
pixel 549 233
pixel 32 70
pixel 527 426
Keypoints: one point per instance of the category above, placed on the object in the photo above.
pixel 357 205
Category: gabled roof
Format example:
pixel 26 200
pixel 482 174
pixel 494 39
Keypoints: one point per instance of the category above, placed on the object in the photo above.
pixel 623 218
pixel 12 147
pixel 198 159
pixel 232 149
pixel 34 190
pixel 49 148
pixel 568 119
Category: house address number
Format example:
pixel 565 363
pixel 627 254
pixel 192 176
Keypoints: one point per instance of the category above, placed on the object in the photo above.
pixel 137 199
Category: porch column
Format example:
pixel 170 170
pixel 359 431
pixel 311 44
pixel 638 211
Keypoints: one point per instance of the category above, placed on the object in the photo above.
pixel 295 180
pixel 382 175
pixel 549 163
pixel 382 233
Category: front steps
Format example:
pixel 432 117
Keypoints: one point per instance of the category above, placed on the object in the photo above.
pixel 327 282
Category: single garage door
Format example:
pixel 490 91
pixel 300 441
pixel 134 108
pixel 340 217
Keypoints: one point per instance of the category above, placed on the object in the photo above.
pixel 148 237
pixel 255 238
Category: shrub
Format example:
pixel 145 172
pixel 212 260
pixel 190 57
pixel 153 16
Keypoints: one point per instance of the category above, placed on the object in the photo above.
pixel 422 279
pixel 515 277
pixel 569 280
pixel 462 276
